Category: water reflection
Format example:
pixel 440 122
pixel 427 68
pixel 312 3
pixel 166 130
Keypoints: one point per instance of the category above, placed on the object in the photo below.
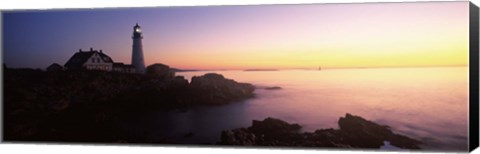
pixel 429 104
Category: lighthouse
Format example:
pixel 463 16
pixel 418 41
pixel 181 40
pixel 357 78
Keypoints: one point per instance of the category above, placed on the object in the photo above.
pixel 137 52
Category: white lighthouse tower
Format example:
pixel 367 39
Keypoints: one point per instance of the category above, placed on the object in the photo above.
pixel 137 51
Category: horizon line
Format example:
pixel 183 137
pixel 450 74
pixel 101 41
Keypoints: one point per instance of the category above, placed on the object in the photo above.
pixel 311 68
pixel 292 68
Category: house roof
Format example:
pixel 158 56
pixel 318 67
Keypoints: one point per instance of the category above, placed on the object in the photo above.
pixel 79 58
pixel 105 57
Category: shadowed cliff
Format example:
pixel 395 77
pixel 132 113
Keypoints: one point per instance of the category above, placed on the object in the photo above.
pixel 86 106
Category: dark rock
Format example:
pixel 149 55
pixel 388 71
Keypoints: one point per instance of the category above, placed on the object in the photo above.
pixel 363 130
pixel 268 132
pixel 354 132
pixel 403 141
pixel 59 105
pixel 273 126
pixel 179 82
pixel 214 89
pixel 161 71
pixel 239 136
pixel 63 105
pixel 188 135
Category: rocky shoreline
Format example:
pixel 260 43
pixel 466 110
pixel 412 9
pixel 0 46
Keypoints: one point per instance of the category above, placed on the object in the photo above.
pixel 354 132
pixel 88 105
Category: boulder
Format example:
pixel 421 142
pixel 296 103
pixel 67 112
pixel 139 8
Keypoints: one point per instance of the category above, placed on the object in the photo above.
pixel 240 136
pixel 273 126
pixel 361 130
pixel 215 89
pixel 178 82
pixel 268 132
pixel 161 71
pixel 354 132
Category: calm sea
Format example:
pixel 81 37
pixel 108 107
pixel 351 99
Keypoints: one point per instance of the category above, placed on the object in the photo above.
pixel 428 104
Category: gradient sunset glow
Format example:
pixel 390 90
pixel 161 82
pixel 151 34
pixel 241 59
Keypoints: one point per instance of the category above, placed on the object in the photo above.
pixel 244 37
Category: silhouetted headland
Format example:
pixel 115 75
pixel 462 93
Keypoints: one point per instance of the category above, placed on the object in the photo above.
pixel 87 105
pixel 354 132
pixel 273 88
pixel 184 70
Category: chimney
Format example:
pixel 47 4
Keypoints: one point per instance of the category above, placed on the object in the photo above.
pixel 100 50
pixel 91 49
pixel 79 50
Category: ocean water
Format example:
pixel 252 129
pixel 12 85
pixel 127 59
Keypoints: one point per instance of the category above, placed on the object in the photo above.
pixel 428 104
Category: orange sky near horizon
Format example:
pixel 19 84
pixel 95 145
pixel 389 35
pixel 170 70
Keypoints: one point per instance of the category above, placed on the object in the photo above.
pixel 349 35
pixel 329 35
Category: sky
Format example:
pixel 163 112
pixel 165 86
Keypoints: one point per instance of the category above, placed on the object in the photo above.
pixel 247 37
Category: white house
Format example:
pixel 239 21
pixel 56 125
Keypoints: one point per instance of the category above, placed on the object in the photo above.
pixel 96 60
pixel 89 60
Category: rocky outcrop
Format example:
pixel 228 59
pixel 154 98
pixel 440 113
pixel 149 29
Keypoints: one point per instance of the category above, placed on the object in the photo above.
pixel 64 105
pixel 354 132
pixel 161 71
pixel 179 82
pixel 361 130
pixel 271 126
pixel 239 136
pixel 215 89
